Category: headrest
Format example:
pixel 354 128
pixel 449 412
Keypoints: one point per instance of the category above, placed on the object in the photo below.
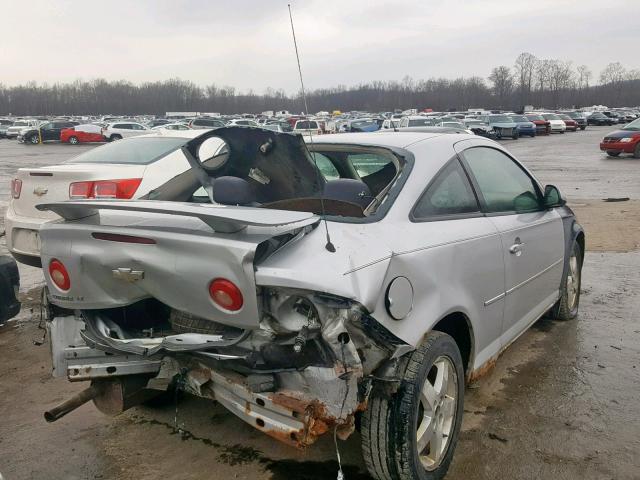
pixel 233 191
pixel 348 190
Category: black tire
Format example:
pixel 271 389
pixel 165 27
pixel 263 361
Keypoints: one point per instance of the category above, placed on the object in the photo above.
pixel 636 152
pixel 389 425
pixel 73 140
pixel 582 128
pixel 115 137
pixel 515 136
pixel 498 135
pixel 566 308
pixel 612 154
pixel 34 140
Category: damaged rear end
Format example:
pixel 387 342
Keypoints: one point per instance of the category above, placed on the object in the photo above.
pixel 165 294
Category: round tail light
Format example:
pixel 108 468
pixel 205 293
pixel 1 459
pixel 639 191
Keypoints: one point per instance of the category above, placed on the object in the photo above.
pixel 226 294
pixel 59 275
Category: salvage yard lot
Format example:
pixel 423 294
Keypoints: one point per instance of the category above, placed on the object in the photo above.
pixel 561 403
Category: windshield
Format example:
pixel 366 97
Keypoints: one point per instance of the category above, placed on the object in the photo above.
pixel 534 117
pixel 551 116
pixel 132 151
pixel 575 115
pixel 500 119
pixel 635 125
pixel 519 118
pixel 473 122
pixel 420 122
pixel 21 124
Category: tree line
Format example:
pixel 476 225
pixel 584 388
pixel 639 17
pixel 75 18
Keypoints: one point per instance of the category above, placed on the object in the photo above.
pixel 549 83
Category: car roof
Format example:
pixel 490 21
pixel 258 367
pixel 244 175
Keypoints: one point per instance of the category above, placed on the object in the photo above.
pixel 387 139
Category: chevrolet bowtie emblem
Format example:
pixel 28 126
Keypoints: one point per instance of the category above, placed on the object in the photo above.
pixel 39 191
pixel 128 275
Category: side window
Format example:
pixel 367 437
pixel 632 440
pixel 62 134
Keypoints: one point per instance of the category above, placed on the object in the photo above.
pixel 326 166
pixel 449 194
pixel 119 125
pixel 504 186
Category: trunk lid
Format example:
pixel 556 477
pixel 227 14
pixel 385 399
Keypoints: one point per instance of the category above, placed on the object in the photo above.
pixel 52 183
pixel 192 245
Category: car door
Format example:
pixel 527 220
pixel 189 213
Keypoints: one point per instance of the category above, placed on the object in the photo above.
pixel 54 132
pixel 532 236
pixel 46 130
pixel 458 254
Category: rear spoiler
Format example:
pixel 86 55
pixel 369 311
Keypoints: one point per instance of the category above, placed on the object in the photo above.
pixel 221 218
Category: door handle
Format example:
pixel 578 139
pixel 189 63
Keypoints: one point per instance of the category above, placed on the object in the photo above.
pixel 516 248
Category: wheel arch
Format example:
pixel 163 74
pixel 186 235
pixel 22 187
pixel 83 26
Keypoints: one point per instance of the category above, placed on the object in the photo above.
pixel 457 325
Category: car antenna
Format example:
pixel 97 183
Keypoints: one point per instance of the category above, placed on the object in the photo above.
pixel 329 246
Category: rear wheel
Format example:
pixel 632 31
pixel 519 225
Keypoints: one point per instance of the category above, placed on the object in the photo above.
pixel 583 127
pixel 115 137
pixel 412 433
pixel 73 140
pixel 567 306
pixel 612 153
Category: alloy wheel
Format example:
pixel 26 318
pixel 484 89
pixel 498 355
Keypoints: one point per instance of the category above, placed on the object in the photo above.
pixel 437 413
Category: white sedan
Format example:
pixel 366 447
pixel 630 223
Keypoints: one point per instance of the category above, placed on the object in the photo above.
pixel 127 169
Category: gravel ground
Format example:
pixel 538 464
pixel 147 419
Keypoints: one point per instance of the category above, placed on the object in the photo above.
pixel 561 402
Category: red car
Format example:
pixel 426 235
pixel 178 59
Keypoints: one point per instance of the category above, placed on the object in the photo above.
pixel 625 140
pixel 542 126
pixel 572 125
pixel 82 134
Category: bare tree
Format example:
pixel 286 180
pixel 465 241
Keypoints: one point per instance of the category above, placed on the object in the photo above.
pixel 614 73
pixel 525 68
pixel 502 81
pixel 584 75
pixel 560 76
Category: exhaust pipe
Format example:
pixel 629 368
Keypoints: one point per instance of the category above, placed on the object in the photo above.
pixel 74 402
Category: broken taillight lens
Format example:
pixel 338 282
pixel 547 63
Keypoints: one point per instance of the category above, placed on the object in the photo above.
pixel 59 275
pixel 226 294
pixel 122 189
pixel 16 187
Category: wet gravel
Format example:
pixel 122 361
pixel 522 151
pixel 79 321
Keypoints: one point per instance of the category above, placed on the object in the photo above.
pixel 561 403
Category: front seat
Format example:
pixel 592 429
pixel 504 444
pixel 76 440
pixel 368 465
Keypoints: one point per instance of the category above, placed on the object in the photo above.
pixel 233 191
pixel 348 190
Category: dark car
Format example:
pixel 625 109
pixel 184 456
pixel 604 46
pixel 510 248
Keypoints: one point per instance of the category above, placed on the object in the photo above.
pixel 615 116
pixel 46 132
pixel 597 118
pixel 625 140
pixel 579 117
pixel 9 286
pixel 158 121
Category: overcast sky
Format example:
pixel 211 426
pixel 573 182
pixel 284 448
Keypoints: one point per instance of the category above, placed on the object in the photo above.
pixel 247 43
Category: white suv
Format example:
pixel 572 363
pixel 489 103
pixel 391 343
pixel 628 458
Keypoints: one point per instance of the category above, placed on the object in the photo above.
pixel 120 130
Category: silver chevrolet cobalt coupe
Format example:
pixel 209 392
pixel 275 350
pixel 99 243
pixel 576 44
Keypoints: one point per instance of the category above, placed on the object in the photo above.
pixel 314 286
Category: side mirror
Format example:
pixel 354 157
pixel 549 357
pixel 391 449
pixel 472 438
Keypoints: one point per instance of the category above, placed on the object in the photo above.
pixel 552 197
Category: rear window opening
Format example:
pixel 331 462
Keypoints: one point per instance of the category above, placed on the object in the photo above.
pixel 337 180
